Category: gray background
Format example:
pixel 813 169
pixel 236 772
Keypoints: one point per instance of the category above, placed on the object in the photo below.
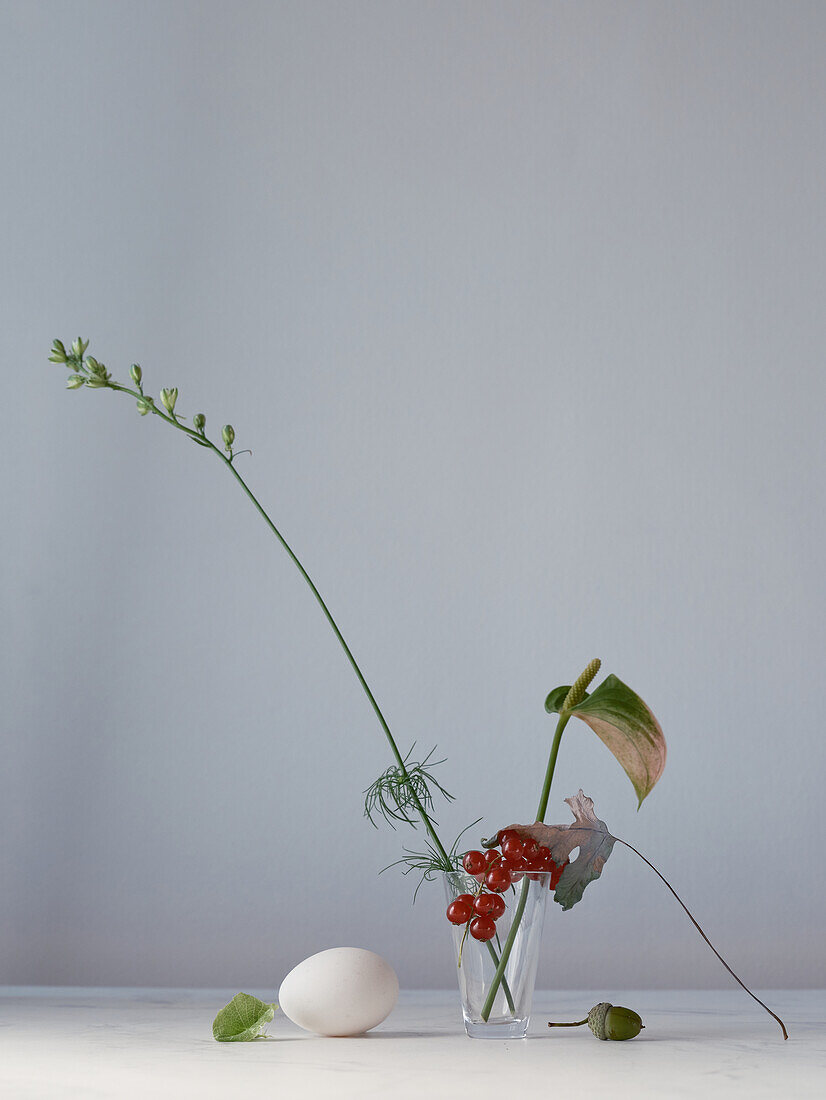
pixel 520 307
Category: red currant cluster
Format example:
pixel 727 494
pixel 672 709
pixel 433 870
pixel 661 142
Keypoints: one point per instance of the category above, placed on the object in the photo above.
pixel 495 871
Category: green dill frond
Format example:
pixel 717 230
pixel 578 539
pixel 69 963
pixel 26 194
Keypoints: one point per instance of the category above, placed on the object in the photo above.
pixel 393 795
pixel 430 862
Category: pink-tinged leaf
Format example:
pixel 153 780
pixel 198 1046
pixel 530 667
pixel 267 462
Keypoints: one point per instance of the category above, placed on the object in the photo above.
pixel 587 833
pixel 623 722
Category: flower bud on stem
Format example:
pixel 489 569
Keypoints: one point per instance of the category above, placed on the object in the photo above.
pixel 168 399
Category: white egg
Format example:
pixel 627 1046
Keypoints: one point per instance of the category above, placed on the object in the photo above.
pixel 342 991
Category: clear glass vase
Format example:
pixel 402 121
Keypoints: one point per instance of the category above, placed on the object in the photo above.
pixel 505 1013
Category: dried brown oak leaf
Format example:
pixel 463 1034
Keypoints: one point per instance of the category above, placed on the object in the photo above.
pixel 587 833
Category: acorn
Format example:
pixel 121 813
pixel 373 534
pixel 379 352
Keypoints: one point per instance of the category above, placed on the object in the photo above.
pixel 609 1021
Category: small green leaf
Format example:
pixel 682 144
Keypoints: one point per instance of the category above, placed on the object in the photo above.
pixel 553 704
pixel 242 1020
pixel 623 722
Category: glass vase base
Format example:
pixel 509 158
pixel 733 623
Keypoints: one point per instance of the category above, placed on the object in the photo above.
pixel 504 1029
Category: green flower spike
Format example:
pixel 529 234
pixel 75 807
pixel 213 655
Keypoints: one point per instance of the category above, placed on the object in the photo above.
pixel 577 692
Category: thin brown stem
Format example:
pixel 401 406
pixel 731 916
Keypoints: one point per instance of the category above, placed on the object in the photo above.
pixel 705 937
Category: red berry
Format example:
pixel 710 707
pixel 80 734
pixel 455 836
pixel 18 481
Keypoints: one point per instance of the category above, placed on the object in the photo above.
pixel 466 898
pixel 515 866
pixel 459 912
pixel 513 846
pixel 474 862
pixel 492 856
pixel 497 879
pixel 509 834
pixel 485 904
pixel 529 849
pixel 539 860
pixel 499 907
pixel 483 928
pixel 534 868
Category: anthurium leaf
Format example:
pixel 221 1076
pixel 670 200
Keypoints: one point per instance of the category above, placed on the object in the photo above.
pixel 242 1020
pixel 623 722
pixel 587 833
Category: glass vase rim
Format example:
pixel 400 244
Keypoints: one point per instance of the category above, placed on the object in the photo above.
pixel 467 874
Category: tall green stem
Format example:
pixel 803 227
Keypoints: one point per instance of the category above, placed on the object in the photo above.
pixel 228 462
pixel 499 976
pixel 549 771
pixel 574 696
pixel 526 883
pixel 201 439
pixel 96 375
pixel 428 824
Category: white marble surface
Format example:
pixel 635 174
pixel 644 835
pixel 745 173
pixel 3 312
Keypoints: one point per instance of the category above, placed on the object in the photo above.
pixel 152 1044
